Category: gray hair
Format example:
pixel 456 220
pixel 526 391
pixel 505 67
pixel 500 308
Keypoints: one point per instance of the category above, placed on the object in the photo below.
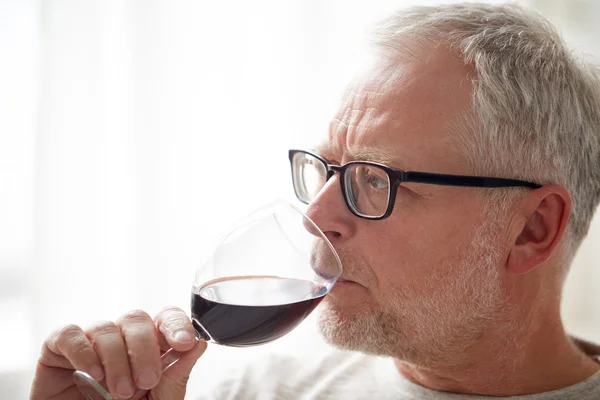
pixel 536 107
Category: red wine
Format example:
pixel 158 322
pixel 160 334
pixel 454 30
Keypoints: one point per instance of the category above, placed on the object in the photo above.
pixel 252 310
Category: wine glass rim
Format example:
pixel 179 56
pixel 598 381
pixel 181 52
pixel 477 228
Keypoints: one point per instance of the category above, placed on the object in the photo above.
pixel 322 234
pixel 267 208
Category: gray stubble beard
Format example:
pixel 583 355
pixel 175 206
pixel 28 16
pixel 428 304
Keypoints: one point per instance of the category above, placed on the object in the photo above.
pixel 429 330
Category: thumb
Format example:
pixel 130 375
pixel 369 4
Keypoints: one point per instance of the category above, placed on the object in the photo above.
pixel 174 380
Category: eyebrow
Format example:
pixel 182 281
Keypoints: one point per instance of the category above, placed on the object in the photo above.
pixel 361 153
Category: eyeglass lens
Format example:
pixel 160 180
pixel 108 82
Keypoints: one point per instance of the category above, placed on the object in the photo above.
pixel 367 187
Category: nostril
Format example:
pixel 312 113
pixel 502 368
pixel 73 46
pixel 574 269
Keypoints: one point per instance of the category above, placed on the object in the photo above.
pixel 332 235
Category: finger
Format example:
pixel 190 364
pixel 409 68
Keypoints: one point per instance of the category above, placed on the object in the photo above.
pixel 183 367
pixel 176 327
pixel 110 347
pixel 162 342
pixel 53 383
pixel 175 379
pixel 70 348
pixel 142 348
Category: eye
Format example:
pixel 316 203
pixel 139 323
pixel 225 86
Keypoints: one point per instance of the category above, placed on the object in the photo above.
pixel 373 178
pixel 376 182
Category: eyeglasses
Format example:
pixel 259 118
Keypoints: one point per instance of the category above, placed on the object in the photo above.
pixel 369 189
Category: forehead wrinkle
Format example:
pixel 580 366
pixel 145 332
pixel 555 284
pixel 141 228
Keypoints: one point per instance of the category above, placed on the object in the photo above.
pixel 360 118
pixel 353 99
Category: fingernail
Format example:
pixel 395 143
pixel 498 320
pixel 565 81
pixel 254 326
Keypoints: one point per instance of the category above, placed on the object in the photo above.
pixel 183 337
pixel 125 388
pixel 147 379
pixel 97 373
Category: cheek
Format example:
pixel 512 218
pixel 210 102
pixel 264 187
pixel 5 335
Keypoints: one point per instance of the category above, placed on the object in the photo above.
pixel 413 252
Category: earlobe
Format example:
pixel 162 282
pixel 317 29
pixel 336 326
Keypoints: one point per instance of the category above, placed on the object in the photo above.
pixel 545 213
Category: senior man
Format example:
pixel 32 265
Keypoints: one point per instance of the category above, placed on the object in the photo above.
pixel 457 180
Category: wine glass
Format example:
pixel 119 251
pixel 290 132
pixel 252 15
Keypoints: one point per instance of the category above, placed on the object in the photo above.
pixel 260 282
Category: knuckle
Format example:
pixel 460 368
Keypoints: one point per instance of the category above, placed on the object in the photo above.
pixel 173 323
pixel 68 331
pixel 135 316
pixel 171 318
pixel 79 347
pixel 105 328
pixel 66 339
pixel 169 311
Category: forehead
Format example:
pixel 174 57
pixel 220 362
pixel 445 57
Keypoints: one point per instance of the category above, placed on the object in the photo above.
pixel 403 112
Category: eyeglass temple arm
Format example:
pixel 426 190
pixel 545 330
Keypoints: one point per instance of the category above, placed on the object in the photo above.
pixel 464 180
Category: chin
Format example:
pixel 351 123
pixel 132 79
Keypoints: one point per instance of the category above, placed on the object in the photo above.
pixel 347 328
pixel 358 326
pixel 333 324
pixel 344 309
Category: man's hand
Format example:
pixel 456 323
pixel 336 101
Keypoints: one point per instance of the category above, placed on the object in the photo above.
pixel 125 353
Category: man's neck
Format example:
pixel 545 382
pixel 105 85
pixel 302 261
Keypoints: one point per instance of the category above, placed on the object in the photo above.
pixel 542 359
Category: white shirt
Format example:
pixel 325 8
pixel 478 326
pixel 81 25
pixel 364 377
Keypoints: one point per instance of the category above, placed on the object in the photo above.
pixel 339 374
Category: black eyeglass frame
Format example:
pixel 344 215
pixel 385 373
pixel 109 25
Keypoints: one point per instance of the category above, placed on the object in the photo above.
pixel 398 176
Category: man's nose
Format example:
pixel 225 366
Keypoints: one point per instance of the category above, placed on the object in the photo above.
pixel 329 212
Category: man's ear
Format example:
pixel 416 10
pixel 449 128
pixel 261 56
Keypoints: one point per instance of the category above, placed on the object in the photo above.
pixel 544 213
